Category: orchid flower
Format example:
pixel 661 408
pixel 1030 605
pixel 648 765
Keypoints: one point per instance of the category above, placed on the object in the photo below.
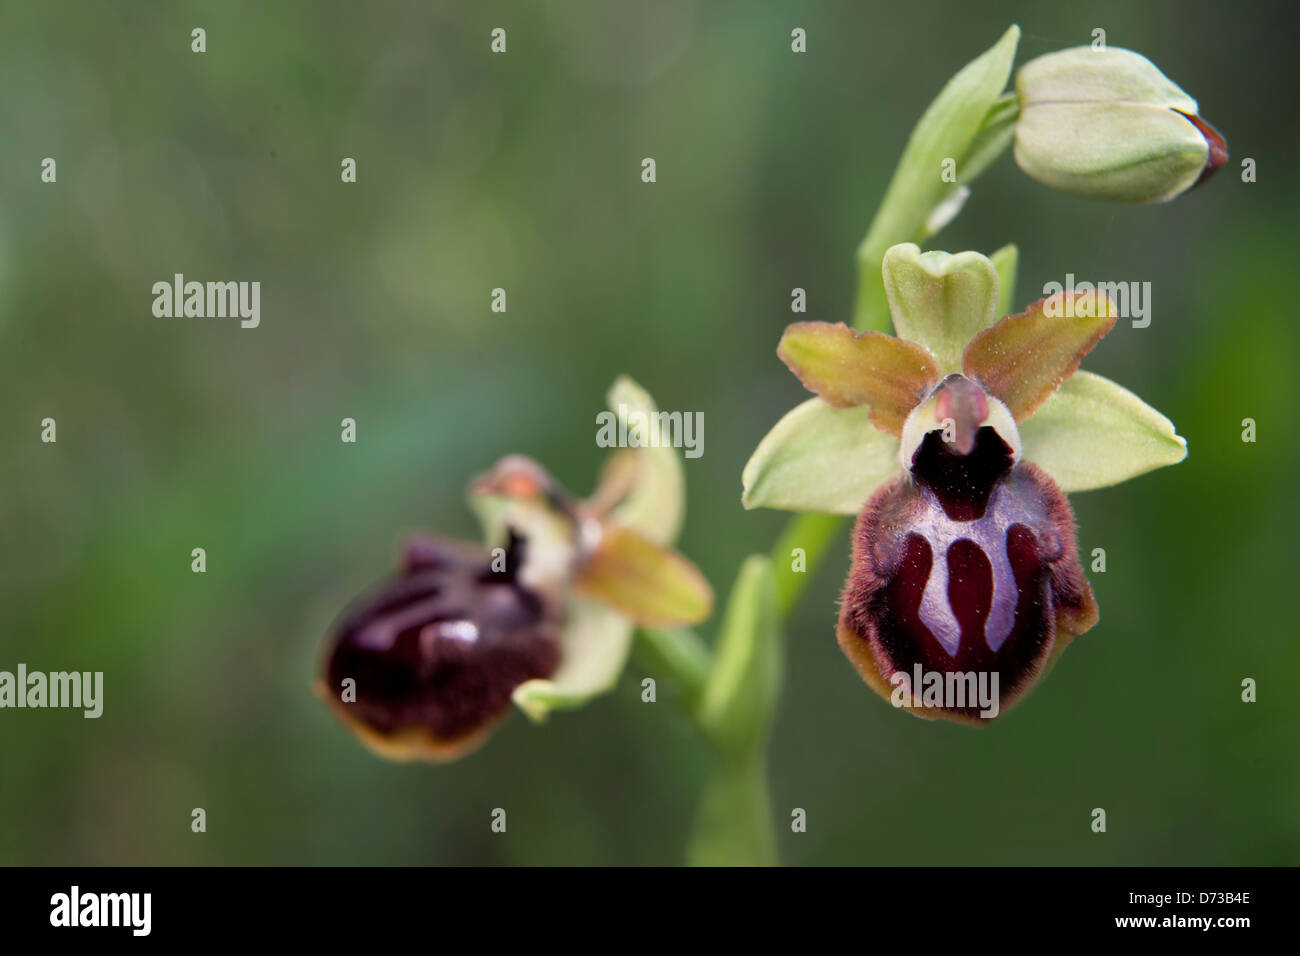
pixel 954 443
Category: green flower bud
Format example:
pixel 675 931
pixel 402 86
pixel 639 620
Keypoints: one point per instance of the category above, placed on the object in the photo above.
pixel 1108 124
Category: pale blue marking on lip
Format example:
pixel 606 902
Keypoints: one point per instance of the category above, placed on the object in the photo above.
pixel 989 533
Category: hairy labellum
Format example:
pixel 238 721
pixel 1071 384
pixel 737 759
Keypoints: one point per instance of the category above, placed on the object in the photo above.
pixel 436 652
pixel 966 568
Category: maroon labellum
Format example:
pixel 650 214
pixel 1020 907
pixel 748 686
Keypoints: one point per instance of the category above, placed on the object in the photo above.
pixel 964 565
pixel 436 652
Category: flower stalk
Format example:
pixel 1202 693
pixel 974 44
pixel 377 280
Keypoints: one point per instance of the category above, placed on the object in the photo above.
pixel 608 562
pixel 968 126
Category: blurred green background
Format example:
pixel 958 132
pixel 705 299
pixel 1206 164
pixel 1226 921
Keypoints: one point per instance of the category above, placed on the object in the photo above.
pixel 523 171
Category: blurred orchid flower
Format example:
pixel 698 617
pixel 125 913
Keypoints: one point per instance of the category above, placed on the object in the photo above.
pixel 543 614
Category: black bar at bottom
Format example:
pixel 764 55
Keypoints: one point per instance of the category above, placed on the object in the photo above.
pixel 902 905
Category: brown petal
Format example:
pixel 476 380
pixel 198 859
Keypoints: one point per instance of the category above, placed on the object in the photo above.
pixel 653 585
pixel 1025 357
pixel 848 368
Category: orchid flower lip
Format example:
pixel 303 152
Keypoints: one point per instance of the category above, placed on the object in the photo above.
pixel 433 654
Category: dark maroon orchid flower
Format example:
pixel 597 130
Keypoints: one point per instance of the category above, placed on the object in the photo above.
pixel 426 665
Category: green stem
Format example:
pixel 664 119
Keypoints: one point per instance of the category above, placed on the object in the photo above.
pixel 734 825
pixel 966 127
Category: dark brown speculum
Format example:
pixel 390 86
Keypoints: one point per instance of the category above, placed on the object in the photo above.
pixel 436 652
pixel 965 564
